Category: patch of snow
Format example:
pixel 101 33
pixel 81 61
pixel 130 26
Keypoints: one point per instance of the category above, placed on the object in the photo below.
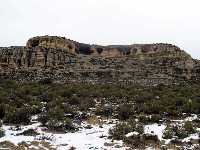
pixel 150 148
pixel 131 134
pixel 10 133
pixel 192 136
pixel 93 138
pixel 155 129
pixel 84 139
pixel 33 147
pixel 34 119
pixel 191 118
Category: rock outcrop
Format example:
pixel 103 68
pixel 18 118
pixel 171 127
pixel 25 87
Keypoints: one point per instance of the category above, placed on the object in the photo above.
pixel 64 60
pixel 51 42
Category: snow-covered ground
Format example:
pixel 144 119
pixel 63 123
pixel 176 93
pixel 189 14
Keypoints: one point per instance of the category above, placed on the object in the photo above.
pixel 84 139
pixel 95 138
pixel 155 129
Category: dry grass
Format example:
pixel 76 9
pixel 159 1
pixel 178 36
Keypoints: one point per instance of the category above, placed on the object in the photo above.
pixel 95 120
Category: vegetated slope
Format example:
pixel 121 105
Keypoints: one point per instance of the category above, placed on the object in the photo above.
pixel 64 108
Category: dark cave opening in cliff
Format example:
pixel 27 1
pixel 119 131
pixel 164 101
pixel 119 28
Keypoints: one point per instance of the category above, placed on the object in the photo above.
pixel 99 50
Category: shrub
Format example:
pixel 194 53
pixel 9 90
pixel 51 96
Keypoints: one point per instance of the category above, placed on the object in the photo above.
pixel 99 111
pixel 72 148
pixel 139 128
pixel 2 111
pixel 44 137
pixel 181 133
pixel 2 133
pixel 60 125
pixel 18 116
pixel 74 100
pixel 9 84
pixel 86 103
pixel 153 107
pixel 125 111
pixel 67 93
pixel 29 132
pixel 168 134
pixel 155 118
pixel 55 119
pixel 143 118
pixel 51 114
pixel 135 141
pixel 120 130
pixel 153 138
pixel 149 119
pixel 188 126
pixel 46 81
pixel 107 110
pixel 43 118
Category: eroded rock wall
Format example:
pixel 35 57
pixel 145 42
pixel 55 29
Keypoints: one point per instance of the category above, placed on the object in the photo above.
pixel 51 42
pixel 144 64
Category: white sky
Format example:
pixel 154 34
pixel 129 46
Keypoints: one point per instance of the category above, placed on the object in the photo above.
pixel 103 21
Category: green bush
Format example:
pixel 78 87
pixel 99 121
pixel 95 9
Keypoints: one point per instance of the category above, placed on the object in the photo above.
pixel 46 81
pixel 185 130
pixel 153 107
pixel 67 93
pixel 155 118
pixel 29 132
pixel 18 115
pixel 125 111
pixel 74 100
pixel 139 128
pixel 168 133
pixel 188 126
pixel 143 118
pixel 2 111
pixel 120 130
pixel 2 133
pixel 181 133
pixel 123 128
pixel 55 119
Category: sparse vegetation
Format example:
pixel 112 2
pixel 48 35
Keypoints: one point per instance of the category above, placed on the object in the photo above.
pixel 29 132
pixel 120 130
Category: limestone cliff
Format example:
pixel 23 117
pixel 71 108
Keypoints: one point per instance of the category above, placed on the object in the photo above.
pixel 64 60
pixel 51 42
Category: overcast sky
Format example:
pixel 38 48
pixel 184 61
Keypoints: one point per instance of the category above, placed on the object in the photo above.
pixel 103 21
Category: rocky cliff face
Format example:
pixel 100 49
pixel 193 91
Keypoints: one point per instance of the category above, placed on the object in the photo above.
pixel 51 42
pixel 64 60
